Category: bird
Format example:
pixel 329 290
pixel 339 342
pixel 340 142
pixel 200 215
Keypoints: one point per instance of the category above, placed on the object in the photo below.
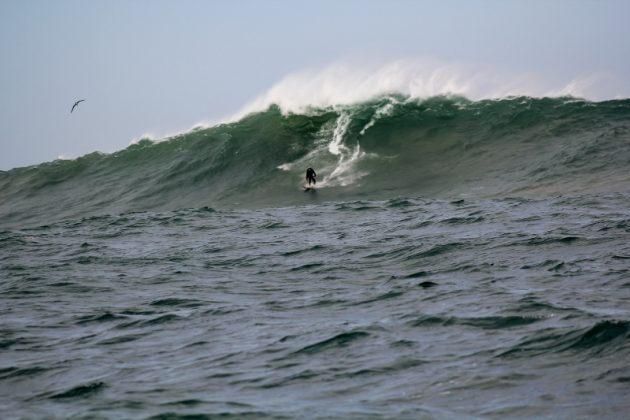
pixel 75 104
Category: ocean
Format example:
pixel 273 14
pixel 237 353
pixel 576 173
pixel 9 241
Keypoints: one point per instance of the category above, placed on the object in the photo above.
pixel 458 259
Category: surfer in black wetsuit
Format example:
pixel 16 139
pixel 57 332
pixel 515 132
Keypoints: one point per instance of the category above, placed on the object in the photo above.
pixel 310 176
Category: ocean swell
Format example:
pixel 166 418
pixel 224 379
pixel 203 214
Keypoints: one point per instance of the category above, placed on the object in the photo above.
pixel 389 146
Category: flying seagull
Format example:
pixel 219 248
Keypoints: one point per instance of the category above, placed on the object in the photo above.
pixel 75 104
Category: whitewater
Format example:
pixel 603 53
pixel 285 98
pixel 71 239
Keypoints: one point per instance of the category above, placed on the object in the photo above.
pixel 462 257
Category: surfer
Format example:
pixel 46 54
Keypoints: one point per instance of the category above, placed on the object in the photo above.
pixel 310 176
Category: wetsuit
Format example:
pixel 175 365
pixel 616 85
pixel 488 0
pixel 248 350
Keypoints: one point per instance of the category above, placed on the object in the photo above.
pixel 310 176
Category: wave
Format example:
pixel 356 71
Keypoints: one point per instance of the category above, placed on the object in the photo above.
pixel 389 146
pixel 604 337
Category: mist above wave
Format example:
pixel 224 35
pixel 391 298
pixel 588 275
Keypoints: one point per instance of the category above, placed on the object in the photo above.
pixel 344 83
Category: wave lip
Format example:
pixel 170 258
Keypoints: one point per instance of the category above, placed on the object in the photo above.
pixel 347 84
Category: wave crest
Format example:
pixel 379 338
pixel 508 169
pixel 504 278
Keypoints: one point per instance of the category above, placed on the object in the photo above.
pixel 345 83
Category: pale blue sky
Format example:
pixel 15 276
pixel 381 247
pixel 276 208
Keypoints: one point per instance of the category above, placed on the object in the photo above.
pixel 162 66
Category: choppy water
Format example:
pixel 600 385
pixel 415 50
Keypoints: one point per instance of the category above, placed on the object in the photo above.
pixel 399 308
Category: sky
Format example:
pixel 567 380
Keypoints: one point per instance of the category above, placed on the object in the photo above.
pixel 155 67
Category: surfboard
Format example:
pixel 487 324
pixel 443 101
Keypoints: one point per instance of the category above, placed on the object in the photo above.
pixel 309 188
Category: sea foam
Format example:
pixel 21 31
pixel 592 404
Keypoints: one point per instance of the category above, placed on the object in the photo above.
pixel 344 83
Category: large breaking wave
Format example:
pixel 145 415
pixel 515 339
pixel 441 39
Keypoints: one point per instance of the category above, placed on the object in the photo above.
pixel 391 145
